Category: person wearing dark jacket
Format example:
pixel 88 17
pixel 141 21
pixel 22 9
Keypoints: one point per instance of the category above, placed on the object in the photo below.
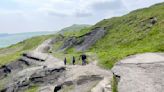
pixel 73 60
pixel 65 61
pixel 83 57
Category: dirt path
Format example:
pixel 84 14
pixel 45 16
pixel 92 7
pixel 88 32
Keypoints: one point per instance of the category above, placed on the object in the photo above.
pixel 75 72
pixel 50 73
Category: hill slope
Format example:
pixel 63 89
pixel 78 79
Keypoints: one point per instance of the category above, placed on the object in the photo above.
pixel 137 32
pixel 13 52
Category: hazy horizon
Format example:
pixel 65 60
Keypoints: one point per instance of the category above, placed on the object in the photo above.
pixel 28 32
pixel 19 16
pixel 10 39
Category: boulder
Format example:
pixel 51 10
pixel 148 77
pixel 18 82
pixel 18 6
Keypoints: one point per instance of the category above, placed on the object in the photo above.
pixel 140 73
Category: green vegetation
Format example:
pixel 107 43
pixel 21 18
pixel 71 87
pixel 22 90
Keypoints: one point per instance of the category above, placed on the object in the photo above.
pixel 77 33
pixel 13 52
pixel 127 35
pixel 74 28
pixel 131 34
pixel 32 89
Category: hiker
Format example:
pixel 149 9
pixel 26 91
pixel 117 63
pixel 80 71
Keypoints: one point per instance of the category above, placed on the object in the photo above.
pixel 83 57
pixel 65 61
pixel 73 60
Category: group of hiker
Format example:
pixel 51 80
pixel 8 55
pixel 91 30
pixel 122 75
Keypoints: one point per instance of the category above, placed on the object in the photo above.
pixel 83 57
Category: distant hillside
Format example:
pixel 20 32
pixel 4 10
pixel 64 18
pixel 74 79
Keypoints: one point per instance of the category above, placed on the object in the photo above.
pixel 137 32
pixel 75 27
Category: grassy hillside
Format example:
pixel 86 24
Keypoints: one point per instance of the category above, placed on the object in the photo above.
pixel 130 34
pixel 13 52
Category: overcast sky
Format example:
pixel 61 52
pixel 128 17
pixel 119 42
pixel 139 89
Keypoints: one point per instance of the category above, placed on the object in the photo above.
pixel 50 15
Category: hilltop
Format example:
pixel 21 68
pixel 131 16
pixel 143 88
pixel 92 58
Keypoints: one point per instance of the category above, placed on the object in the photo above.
pixel 75 28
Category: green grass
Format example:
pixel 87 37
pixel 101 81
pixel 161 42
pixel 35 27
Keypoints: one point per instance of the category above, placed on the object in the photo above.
pixel 76 33
pixel 126 35
pixel 32 89
pixel 13 52
pixel 74 28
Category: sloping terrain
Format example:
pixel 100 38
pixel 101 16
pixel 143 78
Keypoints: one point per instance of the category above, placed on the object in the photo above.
pixel 137 32
pixel 107 42
pixel 50 74
pixel 13 52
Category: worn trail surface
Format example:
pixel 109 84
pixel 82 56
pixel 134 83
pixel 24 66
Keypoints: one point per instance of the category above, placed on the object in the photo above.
pixel 141 73
pixel 52 76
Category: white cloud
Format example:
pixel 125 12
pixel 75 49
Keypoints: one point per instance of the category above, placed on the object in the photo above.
pixel 42 15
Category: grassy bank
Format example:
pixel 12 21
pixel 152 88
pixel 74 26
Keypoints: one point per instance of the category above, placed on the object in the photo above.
pixel 13 52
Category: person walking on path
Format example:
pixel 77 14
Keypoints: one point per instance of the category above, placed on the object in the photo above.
pixel 83 57
pixel 65 61
pixel 73 60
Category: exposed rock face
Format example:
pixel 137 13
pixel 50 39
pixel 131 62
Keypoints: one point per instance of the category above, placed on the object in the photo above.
pixel 84 79
pixel 141 73
pixel 71 41
pixel 91 38
pixel 46 46
pixel 149 22
pixel 85 41
pixel 14 66
pixel 62 79
pixel 153 20
pixel 38 76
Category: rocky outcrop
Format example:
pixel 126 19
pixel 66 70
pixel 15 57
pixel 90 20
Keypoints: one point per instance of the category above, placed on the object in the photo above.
pixel 148 23
pixel 91 38
pixel 84 79
pixel 85 41
pixel 36 76
pixel 46 46
pixel 140 73
pixel 13 66
pixel 61 79
pixel 69 42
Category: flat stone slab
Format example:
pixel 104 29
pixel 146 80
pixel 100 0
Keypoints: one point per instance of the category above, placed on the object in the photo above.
pixel 144 58
pixel 141 73
pixel 37 55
